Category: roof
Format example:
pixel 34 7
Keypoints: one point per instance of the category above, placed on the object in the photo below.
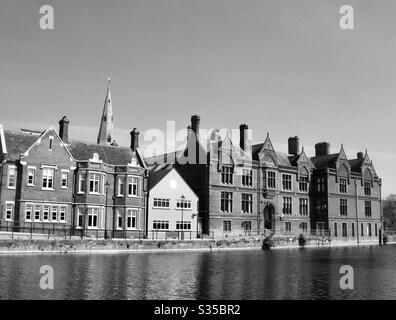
pixel 284 159
pixel 356 164
pixel 112 155
pixel 18 143
pixel 157 175
pixel 325 161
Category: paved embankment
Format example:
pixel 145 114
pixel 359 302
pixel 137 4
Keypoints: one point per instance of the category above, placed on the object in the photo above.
pixel 20 246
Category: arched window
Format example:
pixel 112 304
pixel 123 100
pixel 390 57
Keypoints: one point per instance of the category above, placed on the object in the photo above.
pixel 367 182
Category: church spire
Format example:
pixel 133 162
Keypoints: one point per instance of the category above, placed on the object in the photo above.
pixel 105 135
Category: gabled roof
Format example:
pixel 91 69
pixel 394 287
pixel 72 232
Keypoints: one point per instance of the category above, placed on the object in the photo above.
pixel 18 143
pixel 156 176
pixel 356 165
pixel 112 155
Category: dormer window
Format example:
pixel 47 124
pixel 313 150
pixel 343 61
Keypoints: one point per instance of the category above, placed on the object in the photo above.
pixel 343 185
pixel 227 175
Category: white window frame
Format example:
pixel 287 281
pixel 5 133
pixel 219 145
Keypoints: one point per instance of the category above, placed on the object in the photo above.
pixel 31 212
pixel 91 210
pixel 185 201
pixel 38 206
pixel 33 176
pixel 160 222
pixel 96 182
pixel 104 177
pixel 12 204
pixel 49 212
pixel 47 178
pixel 132 213
pixel 131 183
pixel 67 179
pixel 62 209
pixel 120 181
pixel 14 168
pixel 161 200
pixel 82 176
pixel 185 222
pixel 119 215
pixel 54 208
pixel 80 213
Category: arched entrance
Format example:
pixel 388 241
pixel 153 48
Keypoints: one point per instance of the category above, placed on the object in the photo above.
pixel 269 215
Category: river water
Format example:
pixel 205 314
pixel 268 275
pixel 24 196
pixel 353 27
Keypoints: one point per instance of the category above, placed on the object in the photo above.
pixel 310 273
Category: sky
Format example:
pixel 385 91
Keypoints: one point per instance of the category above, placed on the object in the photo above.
pixel 282 66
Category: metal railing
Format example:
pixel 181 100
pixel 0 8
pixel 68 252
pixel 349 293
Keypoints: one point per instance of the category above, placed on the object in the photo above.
pixel 43 230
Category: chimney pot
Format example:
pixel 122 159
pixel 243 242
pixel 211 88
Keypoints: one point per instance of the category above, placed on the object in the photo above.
pixel 294 145
pixel 195 122
pixel 243 136
pixel 64 129
pixel 135 139
pixel 322 149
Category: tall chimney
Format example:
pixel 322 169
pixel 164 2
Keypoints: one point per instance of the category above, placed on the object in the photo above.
pixel 294 145
pixel 135 139
pixel 243 136
pixel 195 122
pixel 64 129
pixel 360 155
pixel 322 149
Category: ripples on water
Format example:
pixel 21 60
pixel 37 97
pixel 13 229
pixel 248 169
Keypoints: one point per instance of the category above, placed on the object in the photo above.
pixel 275 274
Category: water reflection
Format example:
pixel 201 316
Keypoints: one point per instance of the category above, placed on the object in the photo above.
pixel 275 274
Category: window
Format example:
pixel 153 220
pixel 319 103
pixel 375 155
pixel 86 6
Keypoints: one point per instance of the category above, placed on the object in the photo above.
pixel 9 211
pixel 186 225
pixel 81 182
pixel 287 205
pixel 343 185
pixel 104 183
pixel 369 229
pixel 48 178
pixel 271 180
pixel 247 203
pixel 320 184
pixel 361 230
pixel 247 177
pixel 12 177
pixel 343 207
pixel 31 176
pixel 376 229
pixel 226 202
pixel 353 229
pixel 160 225
pixel 37 212
pixel 65 179
pixel 335 230
pixel 62 214
pixel 185 204
pixel 227 175
pixel 80 217
pixel 226 225
pixel 51 140
pixel 132 186
pixel 367 208
pixel 93 214
pixel 94 180
pixel 28 212
pixel 121 186
pixel 120 220
pixel 367 188
pixel 131 222
pixel 321 207
pixel 246 225
pixel 304 226
pixel 303 184
pixel 286 182
pixel 344 230
pixel 54 215
pixel 288 226
pixel 303 206
pixel 46 210
pixel 161 203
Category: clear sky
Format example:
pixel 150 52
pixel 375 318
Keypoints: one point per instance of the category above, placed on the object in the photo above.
pixel 282 66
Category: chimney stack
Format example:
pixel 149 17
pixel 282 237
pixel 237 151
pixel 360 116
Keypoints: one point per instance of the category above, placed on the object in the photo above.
pixel 64 129
pixel 135 139
pixel 243 136
pixel 294 145
pixel 322 149
pixel 360 155
pixel 195 122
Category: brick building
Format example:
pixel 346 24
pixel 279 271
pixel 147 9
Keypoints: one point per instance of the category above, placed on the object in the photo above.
pixel 249 188
pixel 48 181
